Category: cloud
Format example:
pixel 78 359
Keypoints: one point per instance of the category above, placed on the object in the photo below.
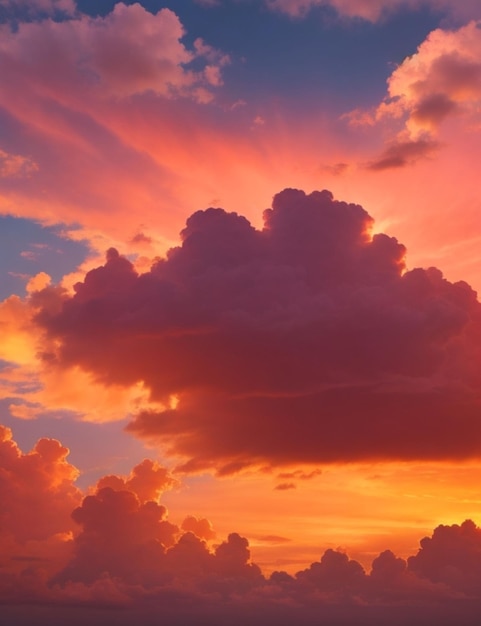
pixel 120 537
pixel 368 10
pixel 15 165
pixel 103 54
pixel 36 8
pixel 274 539
pixel 335 572
pixel 306 341
pixel 37 488
pixel 38 496
pixel 119 558
pixel 147 481
pixel 37 282
pixel 442 79
pixel 201 528
pixel 300 475
pixel 402 153
pixel 96 108
pixel 134 543
pixel 33 390
pixel 451 556
pixel 373 10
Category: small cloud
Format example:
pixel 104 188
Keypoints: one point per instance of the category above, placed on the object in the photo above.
pixel 30 255
pixel 141 238
pixel 359 118
pixel 337 169
pixel 238 103
pixel 402 153
pixel 285 486
pixel 16 165
pixel 24 411
pixel 299 475
pixel 274 539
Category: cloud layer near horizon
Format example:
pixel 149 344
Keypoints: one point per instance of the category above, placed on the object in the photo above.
pixel 306 341
pixel 119 552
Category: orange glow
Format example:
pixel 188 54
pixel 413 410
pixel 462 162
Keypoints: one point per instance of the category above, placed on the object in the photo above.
pixel 362 509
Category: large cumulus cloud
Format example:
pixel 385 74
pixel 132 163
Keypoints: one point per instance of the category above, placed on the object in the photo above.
pixel 305 341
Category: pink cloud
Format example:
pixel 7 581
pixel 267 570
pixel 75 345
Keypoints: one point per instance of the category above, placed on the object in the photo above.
pixel 126 52
pixel 306 341
pixel 75 87
pixel 441 79
pixel 16 166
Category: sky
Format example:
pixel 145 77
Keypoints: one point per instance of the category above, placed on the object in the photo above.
pixel 240 327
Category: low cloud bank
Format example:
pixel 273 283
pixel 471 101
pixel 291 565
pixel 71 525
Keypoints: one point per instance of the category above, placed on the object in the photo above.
pixel 118 558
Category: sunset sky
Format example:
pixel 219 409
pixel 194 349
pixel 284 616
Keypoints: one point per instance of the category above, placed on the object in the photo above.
pixel 240 356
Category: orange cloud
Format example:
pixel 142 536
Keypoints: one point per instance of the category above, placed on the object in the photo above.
pixel 201 528
pixel 147 481
pixel 15 165
pixel 33 390
pixel 37 489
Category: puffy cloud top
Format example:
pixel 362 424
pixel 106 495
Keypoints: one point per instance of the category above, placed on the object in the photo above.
pixel 36 485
